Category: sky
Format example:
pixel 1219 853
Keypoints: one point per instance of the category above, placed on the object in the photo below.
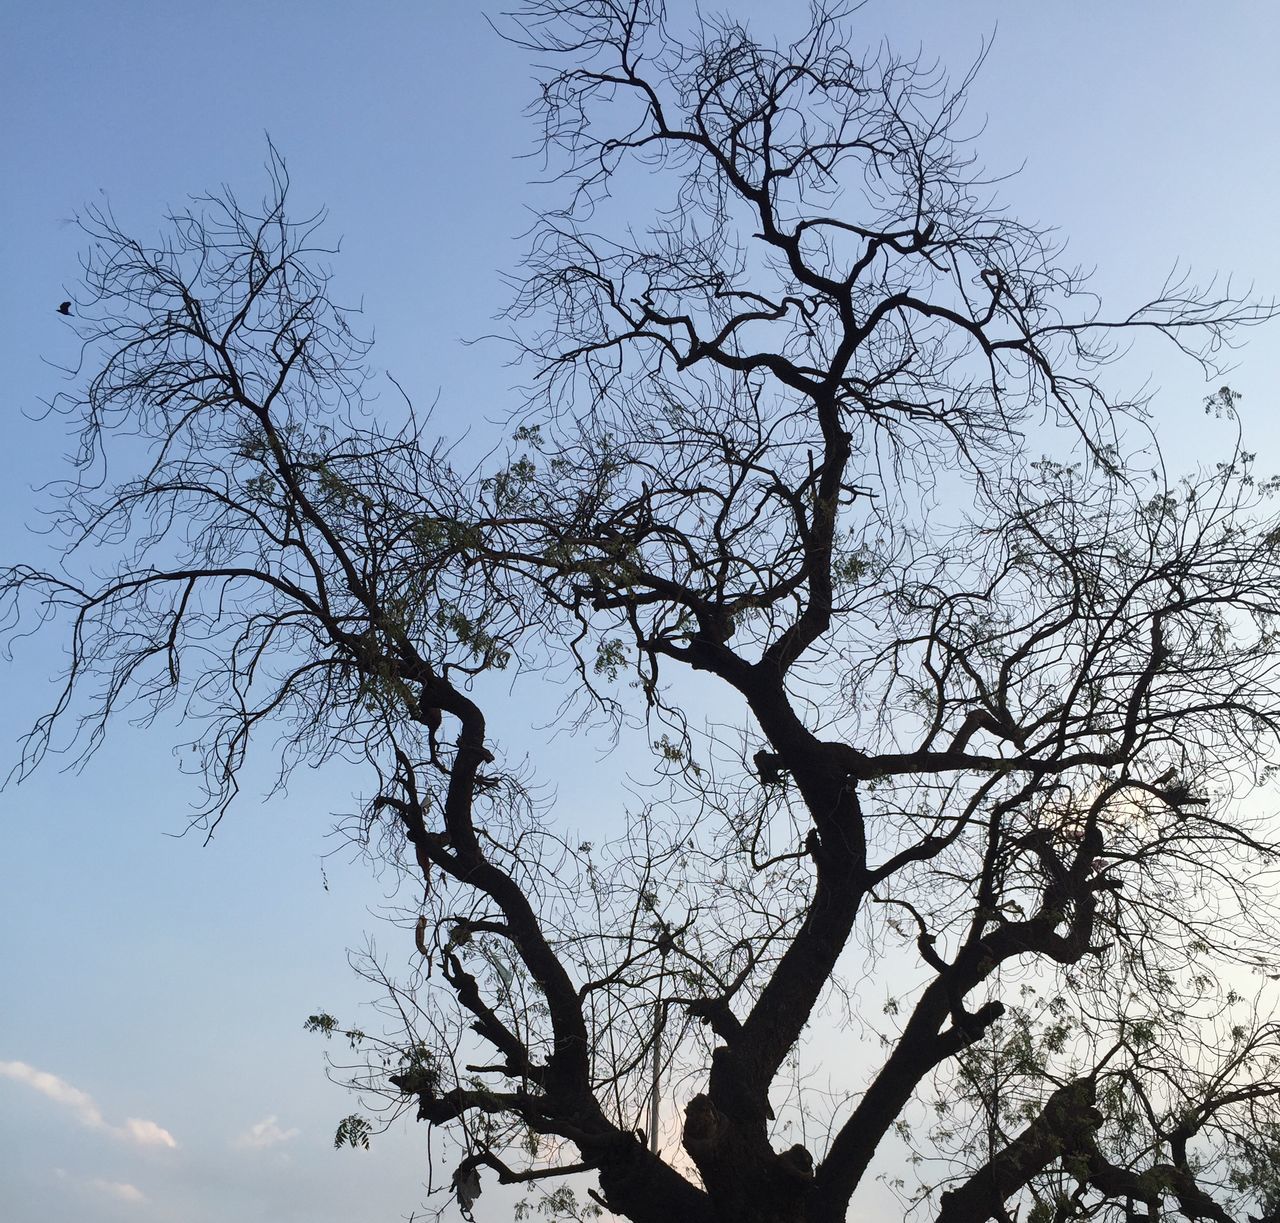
pixel 153 1065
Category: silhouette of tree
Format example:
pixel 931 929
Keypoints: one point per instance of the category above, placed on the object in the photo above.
pixel 824 432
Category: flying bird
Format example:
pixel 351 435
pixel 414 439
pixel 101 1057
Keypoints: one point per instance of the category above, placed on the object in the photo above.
pixel 64 308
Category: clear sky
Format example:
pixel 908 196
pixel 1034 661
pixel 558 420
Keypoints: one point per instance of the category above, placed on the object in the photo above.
pixel 152 991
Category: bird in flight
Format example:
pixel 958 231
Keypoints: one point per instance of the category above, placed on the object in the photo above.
pixel 64 308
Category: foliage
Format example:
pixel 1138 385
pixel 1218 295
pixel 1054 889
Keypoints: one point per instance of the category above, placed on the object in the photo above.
pixel 353 1131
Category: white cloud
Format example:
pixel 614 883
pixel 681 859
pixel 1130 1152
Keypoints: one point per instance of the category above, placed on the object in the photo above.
pixel 86 1111
pixel 120 1190
pixel 263 1134
pixel 146 1133
pixel 58 1090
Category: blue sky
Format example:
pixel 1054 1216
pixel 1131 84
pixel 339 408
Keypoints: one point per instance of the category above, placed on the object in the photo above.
pixel 152 1061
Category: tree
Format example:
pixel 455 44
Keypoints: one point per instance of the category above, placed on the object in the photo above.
pixel 823 440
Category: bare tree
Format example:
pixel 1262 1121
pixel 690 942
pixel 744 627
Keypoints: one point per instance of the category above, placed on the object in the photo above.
pixel 823 433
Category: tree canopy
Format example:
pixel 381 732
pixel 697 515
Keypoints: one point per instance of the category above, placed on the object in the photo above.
pixel 813 436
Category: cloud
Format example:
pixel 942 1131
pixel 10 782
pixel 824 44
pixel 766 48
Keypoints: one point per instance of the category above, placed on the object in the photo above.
pixel 120 1190
pixel 58 1090
pixel 146 1133
pixel 86 1111
pixel 263 1134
